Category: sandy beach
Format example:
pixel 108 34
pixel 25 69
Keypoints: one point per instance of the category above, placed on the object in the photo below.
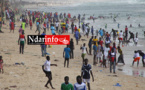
pixel 29 75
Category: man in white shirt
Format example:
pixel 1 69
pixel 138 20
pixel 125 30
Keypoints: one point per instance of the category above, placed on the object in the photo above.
pixel 107 41
pixel 120 37
pixel 99 53
pixel 86 30
pixel 136 58
pixel 135 40
pixel 57 25
pixel 47 71
pixel 84 50
pixel 105 55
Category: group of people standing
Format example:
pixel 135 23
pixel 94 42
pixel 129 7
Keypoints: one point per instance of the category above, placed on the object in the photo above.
pixel 104 49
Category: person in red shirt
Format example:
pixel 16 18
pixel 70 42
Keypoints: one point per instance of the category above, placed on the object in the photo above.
pixel 21 42
pixel 44 27
pixel 126 32
pixel 112 60
pixel 101 42
pixel 12 26
pixel 30 22
pixel 75 28
pixel 1 65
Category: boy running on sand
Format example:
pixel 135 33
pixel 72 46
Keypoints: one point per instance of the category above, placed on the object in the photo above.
pixel 47 71
pixel 131 36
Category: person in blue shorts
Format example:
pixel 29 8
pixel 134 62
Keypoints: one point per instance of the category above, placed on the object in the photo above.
pixel 67 55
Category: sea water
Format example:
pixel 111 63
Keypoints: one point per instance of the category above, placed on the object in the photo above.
pixel 107 8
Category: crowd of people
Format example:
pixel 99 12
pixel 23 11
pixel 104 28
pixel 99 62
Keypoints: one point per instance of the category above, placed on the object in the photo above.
pixel 102 44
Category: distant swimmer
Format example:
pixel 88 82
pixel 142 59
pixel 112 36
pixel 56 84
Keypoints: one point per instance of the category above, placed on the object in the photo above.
pixel 128 18
pixel 118 25
pixel 130 25
pixel 139 25
pixel 114 19
pixel 144 33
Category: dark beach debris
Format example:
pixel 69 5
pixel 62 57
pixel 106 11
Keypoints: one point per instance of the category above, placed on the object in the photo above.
pixel 56 60
pixel 35 55
pixel 117 84
pixel 101 70
pixel 120 69
pixel 7 53
pixel 47 54
pixel 22 63
pixel 6 88
pixel 113 75
pixel 17 64
pixel 83 40
pixel 13 86
pixel 11 50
